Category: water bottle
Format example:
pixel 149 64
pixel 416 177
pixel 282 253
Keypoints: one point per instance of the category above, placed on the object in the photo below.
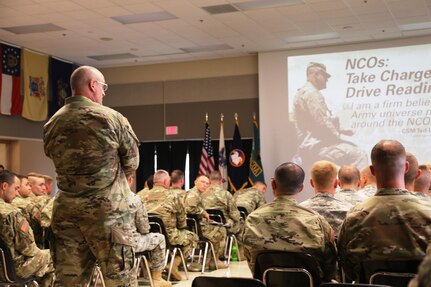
pixel 234 253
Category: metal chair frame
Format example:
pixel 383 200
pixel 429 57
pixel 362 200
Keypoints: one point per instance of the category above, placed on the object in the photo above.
pixel 218 216
pixel 243 211
pixel 141 258
pixel 194 225
pixel 96 275
pixel 288 270
pixel 205 281
pixel 157 225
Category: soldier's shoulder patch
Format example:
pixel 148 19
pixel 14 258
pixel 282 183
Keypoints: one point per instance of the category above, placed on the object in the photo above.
pixel 24 226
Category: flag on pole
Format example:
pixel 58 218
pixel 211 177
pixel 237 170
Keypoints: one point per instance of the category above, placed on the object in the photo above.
pixel 222 166
pixel 10 83
pixel 35 69
pixel 207 155
pixel 237 169
pixel 256 169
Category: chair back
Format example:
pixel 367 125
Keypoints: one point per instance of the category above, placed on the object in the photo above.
pixel 216 215
pixel 243 211
pixel 206 281
pixel 194 225
pixel 7 272
pixel 275 267
pixel 350 285
pixel 396 273
pixel 157 226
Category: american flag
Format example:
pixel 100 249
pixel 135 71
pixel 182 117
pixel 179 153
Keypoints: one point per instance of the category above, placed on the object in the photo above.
pixel 207 156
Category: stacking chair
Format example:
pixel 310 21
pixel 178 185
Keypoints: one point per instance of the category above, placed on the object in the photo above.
pixel 396 273
pixel 218 216
pixel 206 281
pixel 194 225
pixel 157 226
pixel 276 268
pixel 243 211
pixel 7 273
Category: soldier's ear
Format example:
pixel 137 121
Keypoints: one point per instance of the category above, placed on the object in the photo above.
pixel 301 188
pixel 311 183
pixel 373 171
pixel 273 184
pixel 419 173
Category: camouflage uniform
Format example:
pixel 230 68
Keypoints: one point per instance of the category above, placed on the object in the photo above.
pixel 215 197
pixel 25 205
pixel 350 195
pixel 93 148
pixel 423 277
pixel 168 206
pixel 28 259
pixel 215 234
pixel 285 225
pixel 393 224
pixel 250 198
pixel 46 214
pixel 368 190
pixel 319 131
pixel 332 209
pixel 180 192
pixel 144 240
pixel 422 196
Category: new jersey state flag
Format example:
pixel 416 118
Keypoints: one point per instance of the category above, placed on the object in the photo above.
pixel 35 75
pixel 10 85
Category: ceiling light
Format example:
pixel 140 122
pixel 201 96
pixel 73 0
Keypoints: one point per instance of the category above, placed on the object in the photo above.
pixel 220 9
pixel 144 17
pixel 260 4
pixel 415 26
pixel 315 37
pixel 27 29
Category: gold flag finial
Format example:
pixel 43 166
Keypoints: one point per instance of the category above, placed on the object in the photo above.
pixel 206 117
pixel 236 117
pixel 221 117
pixel 254 116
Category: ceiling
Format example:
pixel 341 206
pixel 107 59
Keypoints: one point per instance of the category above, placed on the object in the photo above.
pixel 94 32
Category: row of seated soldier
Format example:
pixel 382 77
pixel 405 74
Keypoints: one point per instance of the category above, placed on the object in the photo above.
pixel 382 212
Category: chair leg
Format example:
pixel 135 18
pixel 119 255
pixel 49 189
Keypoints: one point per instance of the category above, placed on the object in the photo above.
pixel 147 267
pixel 229 240
pixel 193 255
pixel 99 275
pixel 205 257
pixel 214 255
pixel 184 263
pixel 174 252
pixel 166 258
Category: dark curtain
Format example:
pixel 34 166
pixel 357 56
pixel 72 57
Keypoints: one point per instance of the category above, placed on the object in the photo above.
pixel 178 155
pixel 164 156
pixel 146 164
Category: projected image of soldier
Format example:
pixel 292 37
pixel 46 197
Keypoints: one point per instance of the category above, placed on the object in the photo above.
pixel 318 130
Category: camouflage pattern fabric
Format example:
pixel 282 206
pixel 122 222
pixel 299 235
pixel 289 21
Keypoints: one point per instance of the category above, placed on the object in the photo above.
pixel 181 193
pixel 393 224
pixel 25 205
pixel 423 278
pixel 332 209
pixel 215 197
pixel 28 259
pixel 168 206
pixel 250 198
pixel 93 148
pixel 215 234
pixel 368 190
pixel 319 132
pixel 285 225
pixel 46 214
pixel 144 240
pixel 422 196
pixel 350 195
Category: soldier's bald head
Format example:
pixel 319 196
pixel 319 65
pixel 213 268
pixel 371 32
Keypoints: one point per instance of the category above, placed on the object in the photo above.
pixel 81 77
pixel 348 174
pixel 412 173
pixel 389 163
pixel 422 183
pixel 367 176
pixel 161 177
pixel 288 179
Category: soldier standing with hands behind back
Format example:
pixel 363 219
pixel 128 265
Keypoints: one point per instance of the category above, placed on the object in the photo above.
pixel 93 148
